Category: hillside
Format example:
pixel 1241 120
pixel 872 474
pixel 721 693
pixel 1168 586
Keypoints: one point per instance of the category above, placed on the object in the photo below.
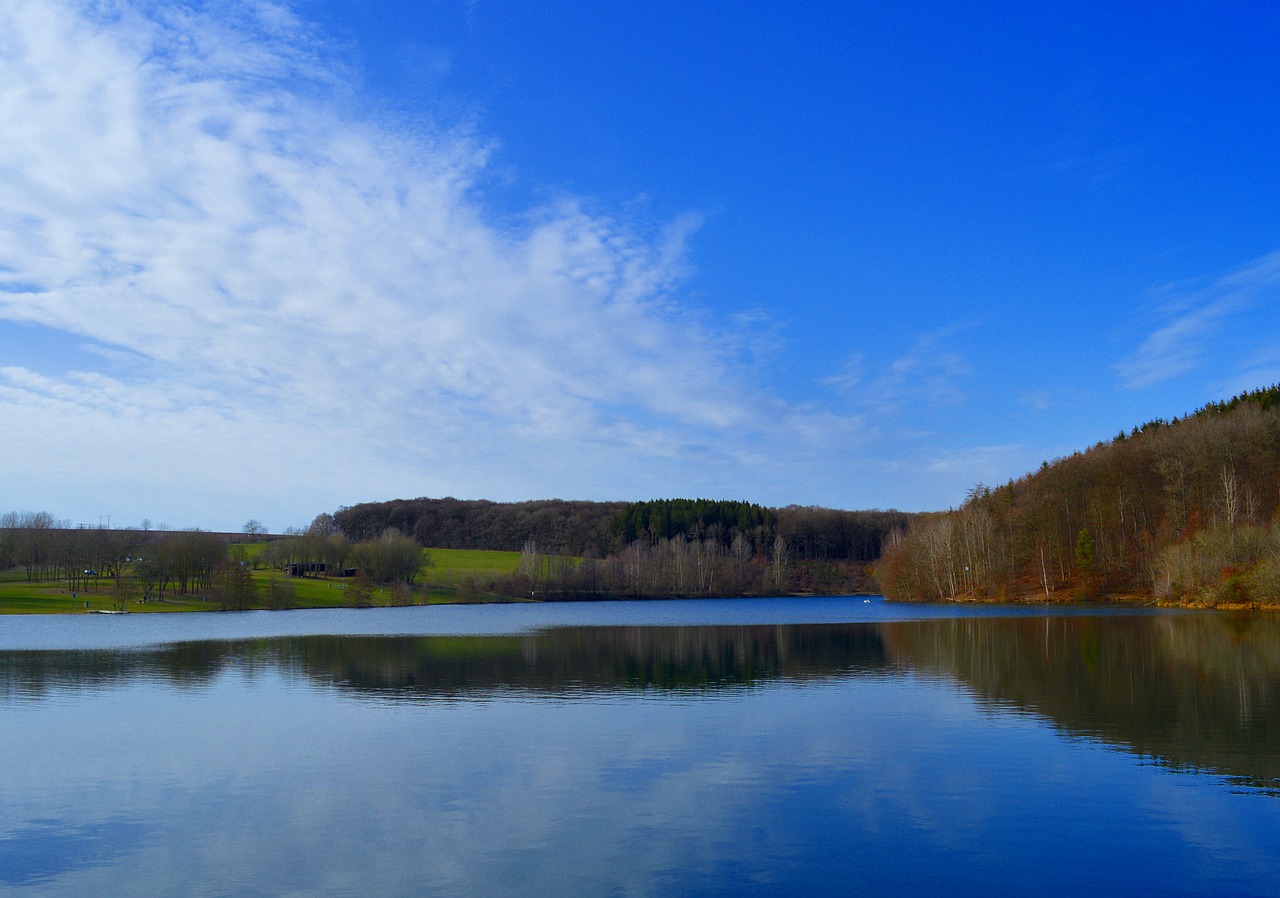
pixel 1181 511
pixel 599 529
pixel 663 547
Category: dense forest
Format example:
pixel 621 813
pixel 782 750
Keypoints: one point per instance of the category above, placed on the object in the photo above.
pixel 600 529
pixel 664 547
pixel 569 528
pixel 1180 511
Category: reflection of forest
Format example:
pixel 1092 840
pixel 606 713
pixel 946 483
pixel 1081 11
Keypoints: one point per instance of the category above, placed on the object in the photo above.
pixel 592 659
pixel 432 667
pixel 1198 691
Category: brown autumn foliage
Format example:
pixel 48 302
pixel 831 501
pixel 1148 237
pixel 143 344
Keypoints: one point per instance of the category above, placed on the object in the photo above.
pixel 1183 511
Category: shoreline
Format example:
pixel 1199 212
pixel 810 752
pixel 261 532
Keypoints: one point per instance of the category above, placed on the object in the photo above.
pixel 203 605
pixel 1132 600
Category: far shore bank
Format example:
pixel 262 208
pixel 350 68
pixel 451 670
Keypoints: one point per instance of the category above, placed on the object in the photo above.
pixel 1127 599
pixel 205 605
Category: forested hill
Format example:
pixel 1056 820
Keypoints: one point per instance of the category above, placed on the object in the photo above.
pixel 1182 510
pixel 576 528
pixel 600 529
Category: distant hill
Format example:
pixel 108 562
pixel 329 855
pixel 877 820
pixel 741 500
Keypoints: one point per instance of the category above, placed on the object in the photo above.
pixel 1181 511
pixel 570 528
pixel 660 548
pixel 599 529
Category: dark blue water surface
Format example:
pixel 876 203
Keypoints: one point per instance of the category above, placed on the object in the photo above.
pixel 764 747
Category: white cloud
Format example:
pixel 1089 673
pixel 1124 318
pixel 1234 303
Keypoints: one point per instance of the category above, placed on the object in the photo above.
pixel 285 292
pixel 1191 334
pixel 930 372
pixel 290 301
pixel 990 463
pixel 1037 400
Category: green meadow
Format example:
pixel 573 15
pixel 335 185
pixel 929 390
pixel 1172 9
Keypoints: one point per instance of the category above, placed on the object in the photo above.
pixel 450 575
pixel 18 596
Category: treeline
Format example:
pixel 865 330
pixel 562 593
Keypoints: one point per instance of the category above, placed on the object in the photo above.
pixel 146 565
pixel 830 534
pixel 660 548
pixel 1183 510
pixel 601 529
pixel 569 528
pixel 667 568
pixel 698 519
pixel 47 549
pixel 129 565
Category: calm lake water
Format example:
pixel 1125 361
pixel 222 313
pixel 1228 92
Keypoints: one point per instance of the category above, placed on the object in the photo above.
pixel 766 747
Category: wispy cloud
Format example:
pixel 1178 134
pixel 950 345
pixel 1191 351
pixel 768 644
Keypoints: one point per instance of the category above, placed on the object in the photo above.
pixel 1197 319
pixel 988 461
pixel 1037 400
pixel 270 273
pixel 932 371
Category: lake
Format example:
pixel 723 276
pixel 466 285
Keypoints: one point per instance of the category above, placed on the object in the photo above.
pixel 736 747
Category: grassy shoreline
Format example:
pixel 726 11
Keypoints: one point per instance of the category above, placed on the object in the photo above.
pixel 328 593
pixel 452 576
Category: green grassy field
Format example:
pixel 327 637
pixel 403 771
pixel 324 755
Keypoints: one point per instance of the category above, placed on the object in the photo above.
pixel 452 575
pixel 17 596
pixel 460 574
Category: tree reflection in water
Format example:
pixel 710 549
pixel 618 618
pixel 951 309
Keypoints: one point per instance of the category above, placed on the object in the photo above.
pixel 1197 692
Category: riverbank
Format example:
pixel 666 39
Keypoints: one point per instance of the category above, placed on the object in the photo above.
pixel 100 604
pixel 1121 599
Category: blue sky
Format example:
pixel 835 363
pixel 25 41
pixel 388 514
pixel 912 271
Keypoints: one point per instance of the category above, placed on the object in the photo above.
pixel 263 259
